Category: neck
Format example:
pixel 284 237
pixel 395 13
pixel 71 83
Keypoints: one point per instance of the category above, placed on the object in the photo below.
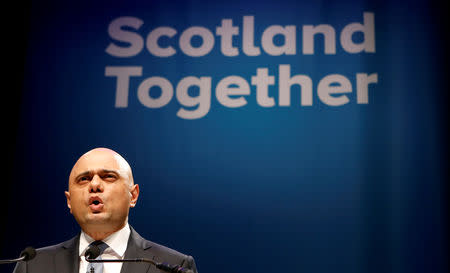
pixel 99 234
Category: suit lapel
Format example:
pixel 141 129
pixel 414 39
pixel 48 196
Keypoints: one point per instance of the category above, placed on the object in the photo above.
pixel 136 249
pixel 67 260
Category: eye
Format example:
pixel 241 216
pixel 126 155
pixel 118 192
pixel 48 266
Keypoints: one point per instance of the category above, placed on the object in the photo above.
pixel 84 179
pixel 110 177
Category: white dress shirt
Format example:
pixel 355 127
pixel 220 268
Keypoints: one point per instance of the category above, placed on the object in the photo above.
pixel 117 243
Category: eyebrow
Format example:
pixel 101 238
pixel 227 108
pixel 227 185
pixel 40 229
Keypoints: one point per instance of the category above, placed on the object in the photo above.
pixel 90 172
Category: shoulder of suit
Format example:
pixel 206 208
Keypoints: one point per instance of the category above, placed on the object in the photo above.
pixel 57 247
pixel 155 248
pixel 160 248
pixel 171 256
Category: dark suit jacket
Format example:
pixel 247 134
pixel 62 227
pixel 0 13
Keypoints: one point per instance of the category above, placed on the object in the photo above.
pixel 64 257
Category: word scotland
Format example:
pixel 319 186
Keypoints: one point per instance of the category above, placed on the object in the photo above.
pixel 232 91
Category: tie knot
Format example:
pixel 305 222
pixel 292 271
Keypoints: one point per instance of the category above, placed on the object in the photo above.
pixel 100 244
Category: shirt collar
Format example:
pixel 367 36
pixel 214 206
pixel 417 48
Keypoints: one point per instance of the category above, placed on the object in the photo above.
pixel 117 241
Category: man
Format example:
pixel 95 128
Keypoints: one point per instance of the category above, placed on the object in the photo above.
pixel 101 192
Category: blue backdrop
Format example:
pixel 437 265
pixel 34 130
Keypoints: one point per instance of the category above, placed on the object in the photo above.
pixel 303 187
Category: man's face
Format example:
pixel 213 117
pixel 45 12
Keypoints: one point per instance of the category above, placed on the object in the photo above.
pixel 101 191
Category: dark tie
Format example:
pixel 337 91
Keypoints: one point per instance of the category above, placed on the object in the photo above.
pixel 97 267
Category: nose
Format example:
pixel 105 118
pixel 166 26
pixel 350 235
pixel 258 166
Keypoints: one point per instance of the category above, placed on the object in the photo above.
pixel 96 184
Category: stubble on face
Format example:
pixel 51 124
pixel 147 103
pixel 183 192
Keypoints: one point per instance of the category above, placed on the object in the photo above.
pixel 101 191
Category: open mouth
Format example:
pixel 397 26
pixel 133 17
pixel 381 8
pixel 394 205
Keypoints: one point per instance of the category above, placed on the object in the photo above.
pixel 96 204
pixel 95 200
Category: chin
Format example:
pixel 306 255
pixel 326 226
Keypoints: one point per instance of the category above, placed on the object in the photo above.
pixel 97 218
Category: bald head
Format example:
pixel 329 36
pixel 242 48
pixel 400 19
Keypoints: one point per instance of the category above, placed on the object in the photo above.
pixel 102 158
pixel 101 192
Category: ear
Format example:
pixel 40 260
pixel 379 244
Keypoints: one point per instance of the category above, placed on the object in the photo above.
pixel 134 191
pixel 68 200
